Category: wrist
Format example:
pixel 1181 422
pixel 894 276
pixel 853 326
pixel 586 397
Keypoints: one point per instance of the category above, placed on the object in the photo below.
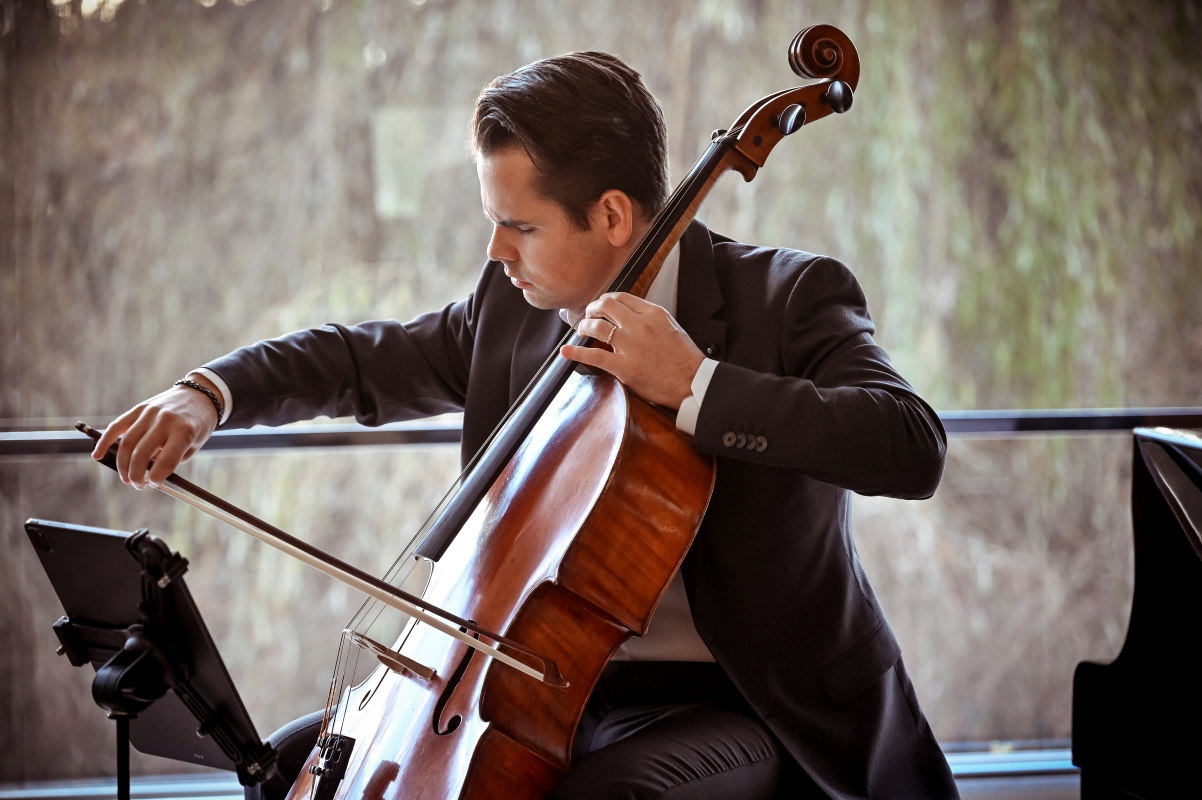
pixel 685 385
pixel 203 381
pixel 201 385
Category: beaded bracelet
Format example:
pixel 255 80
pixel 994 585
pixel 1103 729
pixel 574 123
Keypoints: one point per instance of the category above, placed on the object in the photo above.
pixel 191 384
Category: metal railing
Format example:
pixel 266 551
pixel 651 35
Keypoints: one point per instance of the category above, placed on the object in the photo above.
pixel 958 423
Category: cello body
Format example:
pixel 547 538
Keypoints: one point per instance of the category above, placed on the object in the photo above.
pixel 569 553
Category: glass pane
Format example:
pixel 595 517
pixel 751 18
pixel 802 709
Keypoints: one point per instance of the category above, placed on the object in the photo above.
pixel 276 621
pixel 1020 567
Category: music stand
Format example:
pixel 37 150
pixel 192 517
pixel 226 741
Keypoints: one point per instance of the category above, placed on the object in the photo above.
pixel 158 673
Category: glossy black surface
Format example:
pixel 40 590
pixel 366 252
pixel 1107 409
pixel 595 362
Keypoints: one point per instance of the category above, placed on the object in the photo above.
pixel 1135 731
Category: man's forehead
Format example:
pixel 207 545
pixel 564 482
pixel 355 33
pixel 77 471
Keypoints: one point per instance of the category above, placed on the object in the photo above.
pixel 507 189
pixel 508 161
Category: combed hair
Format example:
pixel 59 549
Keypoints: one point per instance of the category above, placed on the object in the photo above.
pixel 587 122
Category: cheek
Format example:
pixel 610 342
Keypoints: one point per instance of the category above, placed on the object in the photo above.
pixel 561 264
pixel 548 258
pixel 575 270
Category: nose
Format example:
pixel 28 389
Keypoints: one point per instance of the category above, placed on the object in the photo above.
pixel 500 245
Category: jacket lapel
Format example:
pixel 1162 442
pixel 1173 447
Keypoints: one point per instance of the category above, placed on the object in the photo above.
pixel 537 337
pixel 698 296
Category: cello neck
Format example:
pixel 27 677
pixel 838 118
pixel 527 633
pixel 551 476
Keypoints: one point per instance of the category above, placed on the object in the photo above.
pixel 635 276
pixel 820 51
pixel 643 265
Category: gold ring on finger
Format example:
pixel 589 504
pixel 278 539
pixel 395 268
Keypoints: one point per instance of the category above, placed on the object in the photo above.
pixel 611 333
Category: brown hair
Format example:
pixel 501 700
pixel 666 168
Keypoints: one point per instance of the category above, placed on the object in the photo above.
pixel 589 125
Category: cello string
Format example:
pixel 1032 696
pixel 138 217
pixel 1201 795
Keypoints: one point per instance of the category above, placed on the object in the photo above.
pixel 670 207
pixel 669 215
pixel 364 619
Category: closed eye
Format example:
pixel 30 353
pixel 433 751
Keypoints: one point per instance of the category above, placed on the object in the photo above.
pixel 517 225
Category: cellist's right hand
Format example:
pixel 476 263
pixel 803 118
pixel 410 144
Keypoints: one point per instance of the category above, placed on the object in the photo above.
pixel 167 429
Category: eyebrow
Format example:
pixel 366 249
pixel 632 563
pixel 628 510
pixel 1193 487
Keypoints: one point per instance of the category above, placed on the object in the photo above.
pixel 508 223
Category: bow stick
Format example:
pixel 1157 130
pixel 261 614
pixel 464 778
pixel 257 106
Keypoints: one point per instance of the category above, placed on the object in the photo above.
pixel 437 618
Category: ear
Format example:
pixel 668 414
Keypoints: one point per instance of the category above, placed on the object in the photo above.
pixel 614 214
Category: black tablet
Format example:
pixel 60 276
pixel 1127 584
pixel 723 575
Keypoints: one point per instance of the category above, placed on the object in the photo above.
pixel 99 584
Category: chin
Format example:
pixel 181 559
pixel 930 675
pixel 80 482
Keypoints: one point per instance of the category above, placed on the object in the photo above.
pixel 539 300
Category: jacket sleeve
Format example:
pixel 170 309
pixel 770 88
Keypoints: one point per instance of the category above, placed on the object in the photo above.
pixel 380 371
pixel 840 413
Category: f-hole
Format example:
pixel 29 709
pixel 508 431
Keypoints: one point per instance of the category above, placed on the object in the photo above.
pixel 374 689
pixel 453 723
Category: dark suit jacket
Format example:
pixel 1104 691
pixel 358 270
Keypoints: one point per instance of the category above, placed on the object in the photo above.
pixel 774 581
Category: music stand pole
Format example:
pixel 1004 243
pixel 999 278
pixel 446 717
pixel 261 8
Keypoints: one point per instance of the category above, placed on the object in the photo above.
pixel 122 758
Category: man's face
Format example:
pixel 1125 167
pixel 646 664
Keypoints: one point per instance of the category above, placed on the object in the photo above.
pixel 554 263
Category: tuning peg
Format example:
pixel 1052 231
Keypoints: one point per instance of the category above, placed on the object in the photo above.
pixel 791 119
pixel 838 96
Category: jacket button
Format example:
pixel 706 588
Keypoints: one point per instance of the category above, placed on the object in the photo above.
pixel 741 441
pixel 728 439
pixel 713 348
pixel 761 444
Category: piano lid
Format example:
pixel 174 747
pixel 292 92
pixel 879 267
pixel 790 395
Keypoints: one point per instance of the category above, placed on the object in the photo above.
pixel 1174 459
pixel 1135 731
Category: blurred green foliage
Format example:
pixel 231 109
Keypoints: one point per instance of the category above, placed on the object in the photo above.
pixel 1017 185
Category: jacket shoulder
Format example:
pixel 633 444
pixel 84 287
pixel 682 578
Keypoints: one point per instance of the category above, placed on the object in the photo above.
pixel 785 272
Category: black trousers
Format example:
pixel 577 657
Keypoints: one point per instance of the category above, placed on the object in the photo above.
pixel 677 731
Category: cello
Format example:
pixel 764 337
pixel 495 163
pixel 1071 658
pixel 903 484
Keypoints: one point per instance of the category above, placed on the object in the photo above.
pixel 562 534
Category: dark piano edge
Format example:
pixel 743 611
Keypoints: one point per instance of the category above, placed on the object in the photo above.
pixel 957 423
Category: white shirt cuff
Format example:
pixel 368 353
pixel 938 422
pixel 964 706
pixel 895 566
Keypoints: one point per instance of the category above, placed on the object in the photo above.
pixel 690 408
pixel 227 400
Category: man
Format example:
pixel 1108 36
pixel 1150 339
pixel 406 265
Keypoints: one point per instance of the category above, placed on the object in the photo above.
pixel 767 359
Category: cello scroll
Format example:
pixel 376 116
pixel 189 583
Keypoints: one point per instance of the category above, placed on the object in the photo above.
pixel 820 51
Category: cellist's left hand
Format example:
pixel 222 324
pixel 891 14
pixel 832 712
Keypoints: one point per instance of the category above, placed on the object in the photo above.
pixel 652 354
